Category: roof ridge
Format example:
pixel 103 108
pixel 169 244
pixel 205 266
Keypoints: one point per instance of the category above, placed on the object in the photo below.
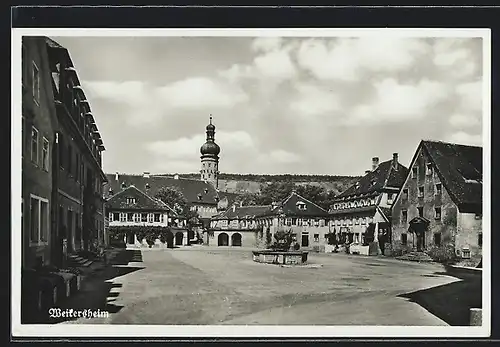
pixel 309 201
pixel 451 143
pixel 149 197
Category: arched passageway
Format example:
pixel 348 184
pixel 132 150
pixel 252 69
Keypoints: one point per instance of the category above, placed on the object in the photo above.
pixel 236 240
pixel 223 239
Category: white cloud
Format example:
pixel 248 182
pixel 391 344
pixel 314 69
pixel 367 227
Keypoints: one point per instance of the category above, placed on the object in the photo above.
pixel 452 56
pixel 347 58
pixel 396 102
pixel 129 92
pixel 276 64
pixel 185 151
pixel 200 92
pixel 146 104
pixel 464 121
pixel 273 63
pixel 464 138
pixel 267 44
pixel 283 156
pixel 314 100
pixel 470 96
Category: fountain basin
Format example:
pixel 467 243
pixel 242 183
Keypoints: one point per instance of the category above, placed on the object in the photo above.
pixel 280 257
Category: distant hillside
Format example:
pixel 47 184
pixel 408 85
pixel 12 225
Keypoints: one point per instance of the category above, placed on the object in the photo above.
pixel 240 183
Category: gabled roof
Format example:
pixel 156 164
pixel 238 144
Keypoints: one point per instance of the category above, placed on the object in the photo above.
pixel 460 169
pixel 384 176
pixel 53 44
pixel 289 207
pixel 143 201
pixel 350 210
pixel 244 212
pixel 195 191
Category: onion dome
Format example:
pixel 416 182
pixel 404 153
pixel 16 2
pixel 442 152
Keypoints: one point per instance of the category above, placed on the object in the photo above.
pixel 210 148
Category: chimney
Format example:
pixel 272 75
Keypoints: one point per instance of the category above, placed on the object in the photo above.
pixel 116 176
pixel 241 203
pixel 375 163
pixel 395 161
pixel 234 208
pixel 176 177
pixel 146 174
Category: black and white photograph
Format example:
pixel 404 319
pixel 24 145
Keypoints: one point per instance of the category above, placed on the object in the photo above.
pixel 244 182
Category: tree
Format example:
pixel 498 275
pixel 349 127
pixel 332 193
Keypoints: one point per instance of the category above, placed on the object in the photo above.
pixel 247 199
pixel 283 240
pixel 274 192
pixel 176 200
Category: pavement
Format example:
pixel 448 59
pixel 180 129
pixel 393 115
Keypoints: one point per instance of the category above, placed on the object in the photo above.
pixel 215 285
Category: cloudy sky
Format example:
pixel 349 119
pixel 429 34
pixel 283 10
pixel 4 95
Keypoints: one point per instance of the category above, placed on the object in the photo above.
pixel 280 105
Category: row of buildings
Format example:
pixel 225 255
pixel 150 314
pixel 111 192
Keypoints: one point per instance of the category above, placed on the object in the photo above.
pixel 435 203
pixel 68 202
pixel 62 177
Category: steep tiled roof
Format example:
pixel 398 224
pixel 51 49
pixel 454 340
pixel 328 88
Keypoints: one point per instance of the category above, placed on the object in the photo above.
pixel 289 207
pixel 143 201
pixel 382 177
pixel 245 212
pixel 53 44
pixel 460 169
pixel 353 210
pixel 195 191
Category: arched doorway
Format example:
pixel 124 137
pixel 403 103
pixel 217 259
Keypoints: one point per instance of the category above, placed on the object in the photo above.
pixel 223 239
pixel 179 236
pixel 236 240
pixel 418 226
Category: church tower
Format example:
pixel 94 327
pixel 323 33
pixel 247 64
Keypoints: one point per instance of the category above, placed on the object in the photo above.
pixel 210 157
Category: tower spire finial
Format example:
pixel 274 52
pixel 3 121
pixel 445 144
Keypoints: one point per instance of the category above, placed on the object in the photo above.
pixel 210 118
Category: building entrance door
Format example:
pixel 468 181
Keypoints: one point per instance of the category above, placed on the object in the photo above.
pixel 418 226
pixel 420 240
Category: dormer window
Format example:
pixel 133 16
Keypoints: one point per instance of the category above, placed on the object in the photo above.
pixel 131 201
pixel 124 185
pixel 301 206
pixel 147 186
pixel 206 190
pixel 200 196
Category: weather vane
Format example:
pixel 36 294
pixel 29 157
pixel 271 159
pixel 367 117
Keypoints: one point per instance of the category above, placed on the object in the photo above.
pixel 210 118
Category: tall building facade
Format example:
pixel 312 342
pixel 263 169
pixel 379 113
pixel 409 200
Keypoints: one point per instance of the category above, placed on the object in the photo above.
pixel 368 203
pixel 62 176
pixel 210 157
pixel 439 207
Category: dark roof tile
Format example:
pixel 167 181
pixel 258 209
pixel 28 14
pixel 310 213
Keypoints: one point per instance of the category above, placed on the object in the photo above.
pixel 382 177
pixel 195 191
pixel 143 201
pixel 460 169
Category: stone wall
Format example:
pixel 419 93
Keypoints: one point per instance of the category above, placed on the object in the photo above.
pixel 470 227
pixel 445 226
